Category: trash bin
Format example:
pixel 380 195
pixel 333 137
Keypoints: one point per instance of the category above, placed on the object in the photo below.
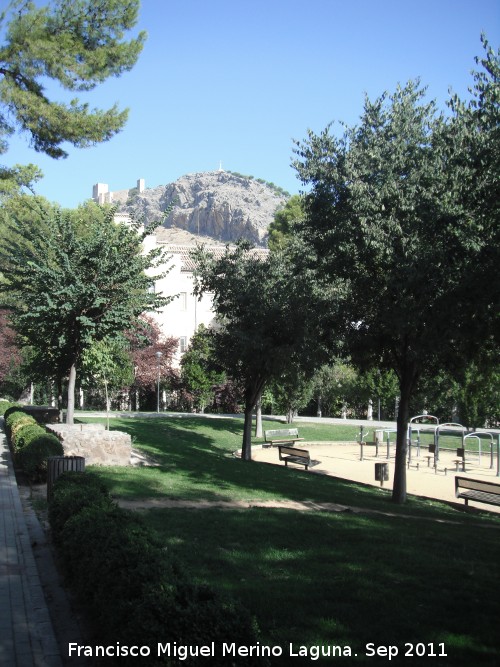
pixel 56 465
pixel 381 473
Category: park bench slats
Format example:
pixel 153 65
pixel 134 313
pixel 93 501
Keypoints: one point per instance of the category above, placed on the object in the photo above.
pixel 292 454
pixel 281 436
pixel 479 490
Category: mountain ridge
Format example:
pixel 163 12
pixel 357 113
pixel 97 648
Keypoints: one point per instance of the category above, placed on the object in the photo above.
pixel 217 204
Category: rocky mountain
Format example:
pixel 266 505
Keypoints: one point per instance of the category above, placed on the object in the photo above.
pixel 216 204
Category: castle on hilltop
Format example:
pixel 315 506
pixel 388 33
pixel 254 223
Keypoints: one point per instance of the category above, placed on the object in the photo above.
pixel 102 195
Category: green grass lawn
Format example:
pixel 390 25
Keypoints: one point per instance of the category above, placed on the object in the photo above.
pixel 429 576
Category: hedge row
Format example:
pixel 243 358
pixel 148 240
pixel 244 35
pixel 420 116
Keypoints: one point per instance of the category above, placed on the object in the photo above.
pixel 30 443
pixel 5 405
pixel 131 589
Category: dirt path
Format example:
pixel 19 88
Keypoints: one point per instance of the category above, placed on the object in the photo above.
pixel 299 506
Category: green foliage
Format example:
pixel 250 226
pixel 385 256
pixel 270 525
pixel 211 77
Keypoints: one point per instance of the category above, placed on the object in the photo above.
pixel 14 179
pixel 334 386
pixel 108 362
pixel 73 491
pixel 281 228
pixel 4 406
pixel 15 417
pixel 24 434
pixel 262 310
pixel 291 391
pixel 75 44
pixel 199 376
pixel 74 280
pixel 132 590
pixel 396 217
pixel 32 458
pixel 277 189
pixel 30 443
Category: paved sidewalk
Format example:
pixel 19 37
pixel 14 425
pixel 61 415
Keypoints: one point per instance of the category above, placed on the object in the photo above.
pixel 26 633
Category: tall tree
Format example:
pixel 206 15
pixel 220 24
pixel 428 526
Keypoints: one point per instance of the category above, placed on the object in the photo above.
pixel 145 342
pixel 106 361
pixel 10 355
pixel 281 228
pixel 262 311
pixel 395 232
pixel 77 45
pixel 199 377
pixel 75 280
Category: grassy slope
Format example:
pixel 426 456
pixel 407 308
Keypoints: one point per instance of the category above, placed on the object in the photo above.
pixel 317 578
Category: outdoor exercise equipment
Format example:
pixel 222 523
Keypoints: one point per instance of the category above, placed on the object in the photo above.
pixel 477 435
pixel 416 424
pixel 451 429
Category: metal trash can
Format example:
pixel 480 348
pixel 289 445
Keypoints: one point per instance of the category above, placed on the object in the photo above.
pixel 56 465
pixel 381 473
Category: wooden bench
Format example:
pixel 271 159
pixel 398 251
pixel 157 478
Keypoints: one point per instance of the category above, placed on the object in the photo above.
pixel 281 436
pixel 474 489
pixel 294 455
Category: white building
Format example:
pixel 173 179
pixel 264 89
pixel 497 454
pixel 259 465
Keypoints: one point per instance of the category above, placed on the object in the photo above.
pixel 184 314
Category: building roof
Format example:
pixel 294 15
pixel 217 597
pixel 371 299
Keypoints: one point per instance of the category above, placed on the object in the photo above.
pixel 188 264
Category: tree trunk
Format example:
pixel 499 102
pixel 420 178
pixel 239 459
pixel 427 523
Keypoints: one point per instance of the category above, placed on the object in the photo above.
pixel 106 396
pixel 60 398
pixel 246 452
pixel 258 418
pixel 406 385
pixel 252 395
pixel 70 412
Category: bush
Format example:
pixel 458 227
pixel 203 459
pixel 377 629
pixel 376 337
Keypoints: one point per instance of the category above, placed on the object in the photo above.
pixel 23 434
pixel 32 458
pixel 5 405
pixel 14 418
pixel 72 492
pixel 132 590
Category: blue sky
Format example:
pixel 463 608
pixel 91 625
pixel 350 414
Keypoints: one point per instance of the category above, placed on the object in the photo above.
pixel 237 81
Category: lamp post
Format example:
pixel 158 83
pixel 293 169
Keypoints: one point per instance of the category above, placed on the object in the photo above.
pixel 158 358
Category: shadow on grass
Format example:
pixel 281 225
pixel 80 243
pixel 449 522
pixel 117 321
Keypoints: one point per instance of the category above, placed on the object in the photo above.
pixel 195 462
pixel 348 580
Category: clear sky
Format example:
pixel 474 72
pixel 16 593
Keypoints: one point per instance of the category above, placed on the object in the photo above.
pixel 236 81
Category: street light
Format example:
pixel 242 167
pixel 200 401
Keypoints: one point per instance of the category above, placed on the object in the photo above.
pixel 158 358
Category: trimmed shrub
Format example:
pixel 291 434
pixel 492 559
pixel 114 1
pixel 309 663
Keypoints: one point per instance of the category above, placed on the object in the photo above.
pixel 32 458
pixel 5 405
pixel 13 408
pixel 23 433
pixel 14 418
pixel 72 492
pixel 132 590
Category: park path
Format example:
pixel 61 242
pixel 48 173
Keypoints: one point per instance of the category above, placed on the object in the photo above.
pixel 298 506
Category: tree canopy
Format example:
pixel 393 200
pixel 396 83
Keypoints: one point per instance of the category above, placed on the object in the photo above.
pixel 261 307
pixel 281 228
pixel 73 280
pixel 404 230
pixel 77 45
pixel 199 377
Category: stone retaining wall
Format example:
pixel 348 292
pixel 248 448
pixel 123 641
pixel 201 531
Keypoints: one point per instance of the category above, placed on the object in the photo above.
pixel 98 446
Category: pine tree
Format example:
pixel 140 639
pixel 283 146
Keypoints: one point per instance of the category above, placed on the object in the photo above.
pixel 77 45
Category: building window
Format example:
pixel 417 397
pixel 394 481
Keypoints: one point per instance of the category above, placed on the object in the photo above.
pixel 182 344
pixel 183 300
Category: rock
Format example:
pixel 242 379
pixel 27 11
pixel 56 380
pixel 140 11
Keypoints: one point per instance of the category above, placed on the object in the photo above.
pixel 94 443
pixel 216 204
